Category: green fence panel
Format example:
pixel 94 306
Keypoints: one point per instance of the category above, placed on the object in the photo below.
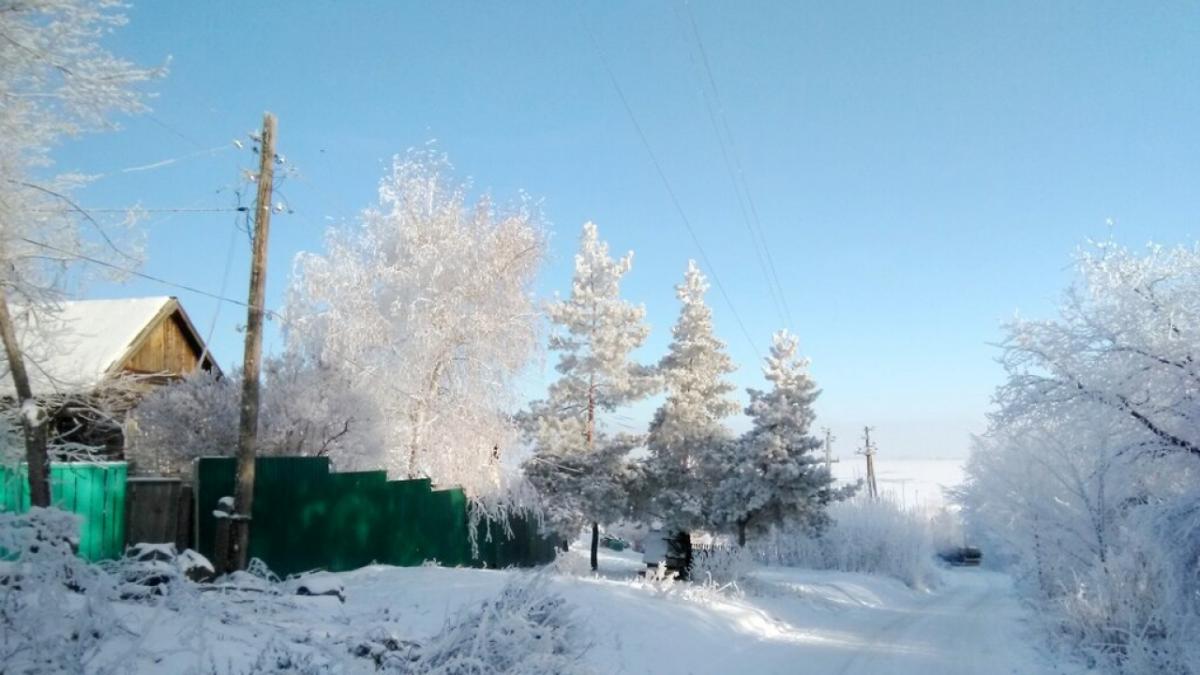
pixel 95 492
pixel 214 479
pixel 356 513
pixel 307 518
pixel 403 538
pixel 522 545
pixel 289 524
pixel 447 519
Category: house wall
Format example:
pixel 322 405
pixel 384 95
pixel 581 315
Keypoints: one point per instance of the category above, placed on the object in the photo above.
pixel 167 349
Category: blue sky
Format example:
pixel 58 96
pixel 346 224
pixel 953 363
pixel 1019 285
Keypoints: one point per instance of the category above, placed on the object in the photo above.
pixel 921 170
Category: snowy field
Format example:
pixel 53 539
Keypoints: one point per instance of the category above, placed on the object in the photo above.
pixel 911 482
pixel 783 620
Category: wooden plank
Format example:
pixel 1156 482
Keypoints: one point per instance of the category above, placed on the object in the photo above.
pixel 152 511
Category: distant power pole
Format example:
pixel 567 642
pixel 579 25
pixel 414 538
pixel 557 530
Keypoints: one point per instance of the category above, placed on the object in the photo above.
pixel 243 496
pixel 869 451
pixel 829 460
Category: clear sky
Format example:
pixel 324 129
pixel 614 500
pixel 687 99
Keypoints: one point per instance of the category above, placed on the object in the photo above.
pixel 920 170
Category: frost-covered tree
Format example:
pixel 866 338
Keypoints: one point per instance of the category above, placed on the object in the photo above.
pixel 307 410
pixel 772 473
pixel 687 436
pixel 1085 482
pixel 425 305
pixel 578 465
pixel 56 82
pixel 194 417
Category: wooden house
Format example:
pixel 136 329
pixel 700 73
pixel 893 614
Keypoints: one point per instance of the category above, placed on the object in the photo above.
pixel 78 353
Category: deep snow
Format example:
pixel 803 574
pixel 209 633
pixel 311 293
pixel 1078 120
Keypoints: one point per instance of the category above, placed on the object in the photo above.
pixel 785 620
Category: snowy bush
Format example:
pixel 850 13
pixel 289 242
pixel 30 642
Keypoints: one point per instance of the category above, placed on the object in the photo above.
pixel 721 566
pixel 525 629
pixel 55 609
pixel 864 535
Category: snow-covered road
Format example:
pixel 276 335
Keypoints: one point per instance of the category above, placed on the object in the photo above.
pixel 973 625
pixel 786 620
pixel 794 620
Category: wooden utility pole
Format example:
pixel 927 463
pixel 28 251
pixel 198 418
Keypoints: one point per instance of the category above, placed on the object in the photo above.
pixel 243 496
pixel 37 458
pixel 869 451
pixel 829 460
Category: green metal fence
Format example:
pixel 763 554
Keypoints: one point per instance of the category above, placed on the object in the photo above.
pixel 94 491
pixel 308 518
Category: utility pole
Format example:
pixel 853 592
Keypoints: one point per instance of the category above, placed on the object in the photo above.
pixel 869 451
pixel 829 460
pixel 243 496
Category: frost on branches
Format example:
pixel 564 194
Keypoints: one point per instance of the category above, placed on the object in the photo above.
pixel 56 82
pixel 306 410
pixel 1086 481
pixel 580 468
pixel 687 437
pixel 772 474
pixel 424 306
pixel 55 612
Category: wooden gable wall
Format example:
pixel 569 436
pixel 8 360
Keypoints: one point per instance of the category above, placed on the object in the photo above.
pixel 167 348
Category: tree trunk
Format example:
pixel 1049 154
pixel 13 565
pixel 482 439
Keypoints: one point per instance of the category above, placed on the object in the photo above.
pixel 565 545
pixel 595 546
pixel 420 415
pixel 741 533
pixel 33 422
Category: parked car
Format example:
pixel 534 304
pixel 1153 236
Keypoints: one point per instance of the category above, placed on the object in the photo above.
pixel 968 556
pixel 613 542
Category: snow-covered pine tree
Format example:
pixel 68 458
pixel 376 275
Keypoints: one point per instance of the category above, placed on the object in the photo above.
pixel 577 466
pixel 686 437
pixel 772 474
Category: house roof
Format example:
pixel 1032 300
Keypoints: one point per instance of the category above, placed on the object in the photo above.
pixel 86 341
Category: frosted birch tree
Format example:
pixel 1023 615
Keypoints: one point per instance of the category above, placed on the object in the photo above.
pixel 425 303
pixel 578 465
pixel 56 82
pixel 1086 479
pixel 687 436
pixel 772 474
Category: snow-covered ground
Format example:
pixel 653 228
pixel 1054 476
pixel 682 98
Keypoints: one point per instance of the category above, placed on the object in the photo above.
pixel 911 482
pixel 784 621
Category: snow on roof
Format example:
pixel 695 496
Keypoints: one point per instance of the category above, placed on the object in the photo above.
pixel 76 347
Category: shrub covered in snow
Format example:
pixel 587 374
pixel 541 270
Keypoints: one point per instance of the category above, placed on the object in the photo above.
pixel 525 629
pixel 54 608
pixel 721 566
pixel 864 535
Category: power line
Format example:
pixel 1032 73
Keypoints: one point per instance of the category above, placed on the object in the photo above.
pixel 670 191
pixel 774 293
pixel 174 160
pixel 212 327
pixel 737 162
pixel 138 209
pixel 143 275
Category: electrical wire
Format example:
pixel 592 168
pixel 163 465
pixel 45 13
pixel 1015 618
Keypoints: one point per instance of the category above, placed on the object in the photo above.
pixel 773 291
pixel 143 275
pixel 739 173
pixel 641 134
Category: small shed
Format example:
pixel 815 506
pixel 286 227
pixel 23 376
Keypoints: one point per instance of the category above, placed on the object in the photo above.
pixel 85 345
